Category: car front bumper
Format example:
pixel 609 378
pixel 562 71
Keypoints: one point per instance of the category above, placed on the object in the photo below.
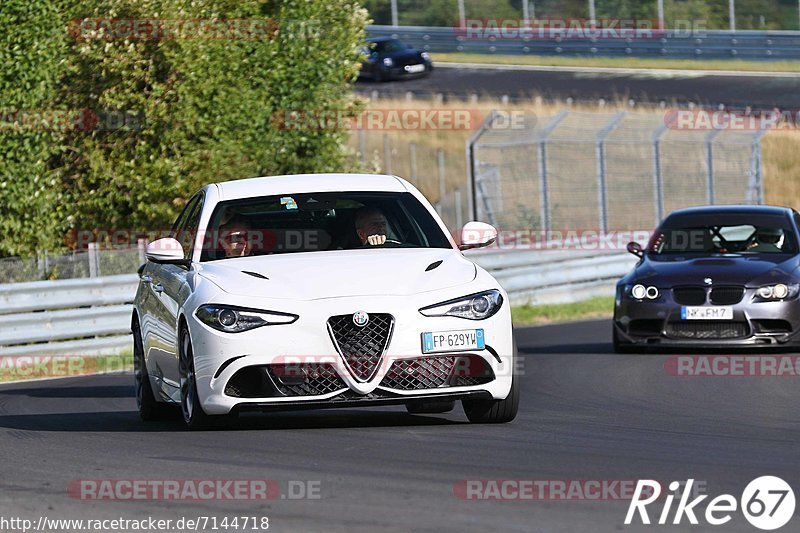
pixel 754 323
pixel 307 345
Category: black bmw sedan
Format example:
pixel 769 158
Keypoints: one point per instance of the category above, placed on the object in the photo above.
pixel 387 58
pixel 720 276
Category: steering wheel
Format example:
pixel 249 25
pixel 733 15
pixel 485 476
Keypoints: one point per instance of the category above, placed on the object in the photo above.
pixel 387 241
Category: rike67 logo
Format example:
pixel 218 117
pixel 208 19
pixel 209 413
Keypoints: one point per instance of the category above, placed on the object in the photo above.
pixel 767 503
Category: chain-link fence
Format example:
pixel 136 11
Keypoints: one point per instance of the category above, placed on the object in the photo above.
pixel 91 263
pixel 607 171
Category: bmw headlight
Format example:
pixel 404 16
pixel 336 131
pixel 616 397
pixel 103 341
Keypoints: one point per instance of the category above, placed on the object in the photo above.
pixel 232 319
pixel 778 291
pixel 640 292
pixel 426 56
pixel 388 61
pixel 473 307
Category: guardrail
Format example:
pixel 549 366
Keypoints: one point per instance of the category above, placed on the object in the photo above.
pixel 91 316
pixel 706 44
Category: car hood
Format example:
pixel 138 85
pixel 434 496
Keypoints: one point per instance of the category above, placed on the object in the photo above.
pixel 341 273
pixel 748 270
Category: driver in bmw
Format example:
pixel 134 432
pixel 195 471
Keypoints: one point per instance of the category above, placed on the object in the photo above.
pixel 371 226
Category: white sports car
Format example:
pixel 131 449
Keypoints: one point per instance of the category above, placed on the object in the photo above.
pixel 313 291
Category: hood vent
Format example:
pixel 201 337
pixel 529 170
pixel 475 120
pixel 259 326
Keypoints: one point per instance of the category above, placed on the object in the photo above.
pixel 254 274
pixel 433 265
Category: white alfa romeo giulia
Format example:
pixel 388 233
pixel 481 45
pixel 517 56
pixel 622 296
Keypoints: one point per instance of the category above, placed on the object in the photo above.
pixel 313 291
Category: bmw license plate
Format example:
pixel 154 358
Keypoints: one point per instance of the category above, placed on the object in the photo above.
pixel 707 313
pixel 453 341
pixel 413 69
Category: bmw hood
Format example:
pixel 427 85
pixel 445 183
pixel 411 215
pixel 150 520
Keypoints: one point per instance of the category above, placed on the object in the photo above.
pixel 341 273
pixel 747 270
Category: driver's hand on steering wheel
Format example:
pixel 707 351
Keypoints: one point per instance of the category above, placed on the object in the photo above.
pixel 376 240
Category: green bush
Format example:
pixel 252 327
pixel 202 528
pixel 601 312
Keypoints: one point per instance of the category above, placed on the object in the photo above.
pixel 199 110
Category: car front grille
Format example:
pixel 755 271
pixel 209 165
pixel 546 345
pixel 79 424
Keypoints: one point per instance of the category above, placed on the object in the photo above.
pixel 726 295
pixel 689 295
pixel 313 379
pixel 361 347
pixel 707 329
pixel 437 371
pixel 270 381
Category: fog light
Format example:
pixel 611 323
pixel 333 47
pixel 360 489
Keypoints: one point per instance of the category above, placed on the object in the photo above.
pixel 638 292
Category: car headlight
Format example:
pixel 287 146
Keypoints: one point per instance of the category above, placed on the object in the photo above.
pixel 473 307
pixel 232 319
pixel 640 292
pixel 426 56
pixel 778 291
pixel 388 61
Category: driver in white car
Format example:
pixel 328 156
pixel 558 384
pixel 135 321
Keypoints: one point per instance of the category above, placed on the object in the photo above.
pixel 371 226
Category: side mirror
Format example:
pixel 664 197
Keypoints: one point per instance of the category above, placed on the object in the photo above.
pixel 477 235
pixel 167 251
pixel 636 249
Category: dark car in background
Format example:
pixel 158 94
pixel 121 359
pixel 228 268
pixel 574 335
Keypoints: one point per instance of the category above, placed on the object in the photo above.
pixel 387 58
pixel 720 276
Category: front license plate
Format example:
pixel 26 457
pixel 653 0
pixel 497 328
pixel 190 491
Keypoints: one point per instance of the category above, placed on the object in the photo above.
pixel 413 69
pixel 706 313
pixel 453 341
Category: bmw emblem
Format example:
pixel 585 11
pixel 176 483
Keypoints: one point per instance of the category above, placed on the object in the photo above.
pixel 708 281
pixel 360 318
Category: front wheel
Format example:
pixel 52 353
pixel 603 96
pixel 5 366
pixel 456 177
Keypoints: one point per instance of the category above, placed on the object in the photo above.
pixel 193 414
pixel 148 407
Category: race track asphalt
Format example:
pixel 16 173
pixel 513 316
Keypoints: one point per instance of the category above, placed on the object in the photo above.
pixel 586 414
pixel 760 92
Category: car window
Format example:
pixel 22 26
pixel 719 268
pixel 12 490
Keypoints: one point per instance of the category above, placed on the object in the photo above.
pixel 765 235
pixel 314 222
pixel 187 226
pixel 390 46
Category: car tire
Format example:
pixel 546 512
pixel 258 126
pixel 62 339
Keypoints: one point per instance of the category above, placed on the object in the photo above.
pixel 422 407
pixel 496 411
pixel 194 416
pixel 149 408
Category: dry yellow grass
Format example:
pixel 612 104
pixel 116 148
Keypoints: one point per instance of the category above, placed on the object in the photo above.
pixel 575 173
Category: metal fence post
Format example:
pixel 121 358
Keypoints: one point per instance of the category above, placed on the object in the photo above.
pixel 602 187
pixel 756 172
pixel 94 260
pixel 710 193
pixel 412 147
pixel 658 182
pixel 459 210
pixel 362 145
pixel 442 184
pixel 544 185
pixel 473 204
pixel 387 154
pixel 141 245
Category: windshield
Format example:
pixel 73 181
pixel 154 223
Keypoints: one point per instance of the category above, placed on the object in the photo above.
pixel 313 222
pixel 387 47
pixel 743 235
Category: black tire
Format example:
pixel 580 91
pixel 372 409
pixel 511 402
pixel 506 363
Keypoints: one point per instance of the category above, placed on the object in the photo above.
pixel 149 408
pixel 496 411
pixel 193 415
pixel 421 407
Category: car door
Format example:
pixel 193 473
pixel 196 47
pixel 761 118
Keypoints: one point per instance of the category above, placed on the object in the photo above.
pixel 158 329
pixel 176 289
